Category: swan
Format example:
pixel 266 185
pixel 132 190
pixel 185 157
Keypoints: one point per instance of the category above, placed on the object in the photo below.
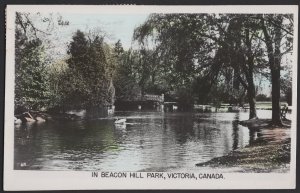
pixel 17 121
pixel 120 121
pixel 23 164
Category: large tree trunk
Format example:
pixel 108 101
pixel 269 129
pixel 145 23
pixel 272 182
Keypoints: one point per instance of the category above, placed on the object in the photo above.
pixel 251 100
pixel 274 63
pixel 250 87
pixel 276 117
pixel 275 74
pixel 249 75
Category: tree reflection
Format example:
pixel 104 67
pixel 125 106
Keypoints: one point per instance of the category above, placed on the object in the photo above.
pixel 235 133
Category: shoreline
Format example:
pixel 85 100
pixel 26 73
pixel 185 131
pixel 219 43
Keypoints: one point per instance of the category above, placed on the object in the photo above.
pixel 270 153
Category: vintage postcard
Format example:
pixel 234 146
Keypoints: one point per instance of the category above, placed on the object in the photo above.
pixel 150 97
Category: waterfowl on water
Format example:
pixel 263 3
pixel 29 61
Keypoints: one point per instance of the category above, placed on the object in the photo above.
pixel 120 121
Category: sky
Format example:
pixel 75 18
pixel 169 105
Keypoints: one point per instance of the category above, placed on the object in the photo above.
pixel 115 26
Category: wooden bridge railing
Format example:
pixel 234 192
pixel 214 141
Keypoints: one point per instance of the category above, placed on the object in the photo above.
pixel 149 97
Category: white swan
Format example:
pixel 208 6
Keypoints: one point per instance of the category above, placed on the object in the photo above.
pixel 18 121
pixel 120 121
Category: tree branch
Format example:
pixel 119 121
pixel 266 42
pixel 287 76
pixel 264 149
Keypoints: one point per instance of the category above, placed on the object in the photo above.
pixel 242 81
pixel 269 20
pixel 19 18
pixel 34 28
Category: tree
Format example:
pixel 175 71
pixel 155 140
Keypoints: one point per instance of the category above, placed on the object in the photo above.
pixel 118 49
pixel 56 80
pixel 199 48
pixel 278 37
pixel 182 54
pixel 126 75
pixel 286 85
pixel 88 84
pixel 30 74
pixel 262 97
pixel 244 52
pixel 32 86
pixel 76 92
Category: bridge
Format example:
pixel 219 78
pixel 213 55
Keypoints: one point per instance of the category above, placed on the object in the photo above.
pixel 147 101
pixel 153 98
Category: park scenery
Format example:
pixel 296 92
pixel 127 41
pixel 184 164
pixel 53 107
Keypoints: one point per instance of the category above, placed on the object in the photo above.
pixel 153 92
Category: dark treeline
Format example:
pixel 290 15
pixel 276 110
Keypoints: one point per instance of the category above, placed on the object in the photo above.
pixel 190 58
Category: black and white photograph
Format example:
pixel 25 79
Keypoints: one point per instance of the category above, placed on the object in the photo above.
pixel 190 96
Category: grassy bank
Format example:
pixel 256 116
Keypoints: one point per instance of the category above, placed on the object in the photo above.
pixel 270 152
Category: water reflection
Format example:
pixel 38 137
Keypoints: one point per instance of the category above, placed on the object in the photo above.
pixel 150 141
pixel 235 129
pixel 268 135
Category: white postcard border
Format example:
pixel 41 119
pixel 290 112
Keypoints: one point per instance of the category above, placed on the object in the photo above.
pixel 78 180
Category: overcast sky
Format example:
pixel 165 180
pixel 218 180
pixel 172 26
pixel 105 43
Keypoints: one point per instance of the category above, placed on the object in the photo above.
pixel 115 26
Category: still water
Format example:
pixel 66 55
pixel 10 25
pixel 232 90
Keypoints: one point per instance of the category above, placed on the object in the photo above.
pixel 150 141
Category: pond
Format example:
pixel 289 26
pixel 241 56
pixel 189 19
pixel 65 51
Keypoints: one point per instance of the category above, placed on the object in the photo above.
pixel 150 141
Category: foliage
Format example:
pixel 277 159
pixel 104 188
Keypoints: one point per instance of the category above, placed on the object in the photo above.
pixel 87 83
pixel 56 74
pixel 200 49
pixel 193 49
pixel 181 53
pixel 32 86
pixel 191 58
pixel 286 86
pixel 262 97
pixel 31 91
pixel 125 77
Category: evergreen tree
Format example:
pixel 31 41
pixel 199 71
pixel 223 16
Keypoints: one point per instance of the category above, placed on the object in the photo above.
pixel 88 84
